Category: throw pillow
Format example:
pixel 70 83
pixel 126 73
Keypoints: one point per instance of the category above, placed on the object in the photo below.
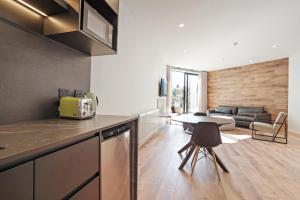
pixel 223 110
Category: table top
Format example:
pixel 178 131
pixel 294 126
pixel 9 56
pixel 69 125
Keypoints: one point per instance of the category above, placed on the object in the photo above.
pixel 192 119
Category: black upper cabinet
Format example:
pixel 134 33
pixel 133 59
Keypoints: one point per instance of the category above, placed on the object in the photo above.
pixel 113 4
pixel 86 25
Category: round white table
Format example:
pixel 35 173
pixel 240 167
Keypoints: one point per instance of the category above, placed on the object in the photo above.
pixel 192 119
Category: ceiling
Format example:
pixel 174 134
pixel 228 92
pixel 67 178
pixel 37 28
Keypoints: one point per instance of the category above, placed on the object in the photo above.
pixel 211 27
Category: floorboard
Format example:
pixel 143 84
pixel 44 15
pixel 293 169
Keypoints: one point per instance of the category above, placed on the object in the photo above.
pixel 258 170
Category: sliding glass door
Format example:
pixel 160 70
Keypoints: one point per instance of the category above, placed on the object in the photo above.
pixel 192 100
pixel 184 92
pixel 177 93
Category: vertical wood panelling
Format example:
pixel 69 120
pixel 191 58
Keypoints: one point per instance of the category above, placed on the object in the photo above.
pixel 262 84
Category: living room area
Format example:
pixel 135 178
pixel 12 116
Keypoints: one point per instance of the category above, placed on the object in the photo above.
pixel 247 88
pixel 250 105
pixel 243 95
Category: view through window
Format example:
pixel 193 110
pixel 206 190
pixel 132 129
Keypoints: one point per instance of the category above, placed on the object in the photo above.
pixel 184 92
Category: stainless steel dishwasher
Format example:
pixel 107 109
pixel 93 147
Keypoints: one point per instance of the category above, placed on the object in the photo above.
pixel 115 163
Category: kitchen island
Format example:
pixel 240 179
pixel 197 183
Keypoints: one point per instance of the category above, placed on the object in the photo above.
pixel 59 158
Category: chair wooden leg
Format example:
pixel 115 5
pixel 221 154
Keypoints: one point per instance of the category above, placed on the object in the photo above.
pixel 194 157
pixel 215 162
pixel 195 160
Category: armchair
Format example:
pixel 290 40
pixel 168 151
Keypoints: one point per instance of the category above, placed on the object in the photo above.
pixel 268 131
pixel 263 117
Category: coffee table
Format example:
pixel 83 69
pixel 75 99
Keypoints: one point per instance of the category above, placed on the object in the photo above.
pixel 226 127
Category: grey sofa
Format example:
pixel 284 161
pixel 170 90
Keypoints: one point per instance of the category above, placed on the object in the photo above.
pixel 243 115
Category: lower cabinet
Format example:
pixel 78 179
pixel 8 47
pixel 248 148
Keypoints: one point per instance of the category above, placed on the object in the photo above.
pixel 89 192
pixel 59 174
pixel 17 183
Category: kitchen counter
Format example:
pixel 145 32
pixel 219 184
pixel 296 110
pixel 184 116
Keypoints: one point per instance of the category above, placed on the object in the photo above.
pixel 27 140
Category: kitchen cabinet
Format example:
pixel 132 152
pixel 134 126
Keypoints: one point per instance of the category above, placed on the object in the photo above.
pixel 65 162
pixel 17 183
pixel 88 26
pixel 66 21
pixel 89 192
pixel 60 173
pixel 114 4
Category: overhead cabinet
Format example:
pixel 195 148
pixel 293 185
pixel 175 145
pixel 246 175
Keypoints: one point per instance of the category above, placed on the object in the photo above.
pixel 86 25
pixel 96 26
pixel 114 4
pixel 89 26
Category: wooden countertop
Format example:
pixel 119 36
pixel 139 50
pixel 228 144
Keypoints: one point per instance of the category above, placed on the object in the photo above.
pixel 32 138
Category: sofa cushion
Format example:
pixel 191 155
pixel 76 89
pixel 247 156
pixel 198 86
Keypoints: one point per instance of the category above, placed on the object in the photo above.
pixel 242 110
pixel 243 118
pixel 259 126
pixel 233 108
pixel 224 110
pixel 248 114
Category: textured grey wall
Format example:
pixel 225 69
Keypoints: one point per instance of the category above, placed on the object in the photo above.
pixel 32 68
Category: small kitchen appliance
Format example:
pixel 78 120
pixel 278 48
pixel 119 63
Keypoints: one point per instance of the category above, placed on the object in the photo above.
pixel 76 108
pixel 95 101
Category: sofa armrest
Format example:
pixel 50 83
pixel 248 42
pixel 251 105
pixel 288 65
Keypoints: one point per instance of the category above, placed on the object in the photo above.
pixel 263 117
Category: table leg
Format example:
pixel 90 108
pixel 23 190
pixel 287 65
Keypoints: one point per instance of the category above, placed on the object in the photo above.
pixel 221 164
pixel 187 157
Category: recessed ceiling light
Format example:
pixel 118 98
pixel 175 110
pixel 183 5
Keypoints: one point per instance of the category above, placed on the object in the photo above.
pixel 185 51
pixel 274 46
pixel 181 25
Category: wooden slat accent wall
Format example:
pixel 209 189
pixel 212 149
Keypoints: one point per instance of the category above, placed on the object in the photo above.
pixel 262 84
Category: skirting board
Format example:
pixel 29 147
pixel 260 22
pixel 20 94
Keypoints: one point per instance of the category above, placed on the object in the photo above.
pixel 147 138
pixel 294 132
pixel 151 135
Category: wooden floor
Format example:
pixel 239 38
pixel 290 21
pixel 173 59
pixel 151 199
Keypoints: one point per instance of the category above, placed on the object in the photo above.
pixel 258 169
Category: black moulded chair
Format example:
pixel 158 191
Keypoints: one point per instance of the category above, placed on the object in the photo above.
pixel 188 128
pixel 207 136
pixel 200 114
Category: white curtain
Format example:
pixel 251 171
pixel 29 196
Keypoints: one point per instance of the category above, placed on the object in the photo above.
pixel 169 98
pixel 202 91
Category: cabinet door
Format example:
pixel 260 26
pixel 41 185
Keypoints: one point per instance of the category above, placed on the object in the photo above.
pixel 114 4
pixel 60 173
pixel 89 192
pixel 17 183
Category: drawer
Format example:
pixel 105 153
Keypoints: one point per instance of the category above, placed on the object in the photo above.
pixel 17 183
pixel 89 192
pixel 59 173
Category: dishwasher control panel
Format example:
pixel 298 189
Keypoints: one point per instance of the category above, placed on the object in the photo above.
pixel 106 134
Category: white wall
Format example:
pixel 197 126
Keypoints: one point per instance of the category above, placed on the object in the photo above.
pixel 294 93
pixel 127 83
